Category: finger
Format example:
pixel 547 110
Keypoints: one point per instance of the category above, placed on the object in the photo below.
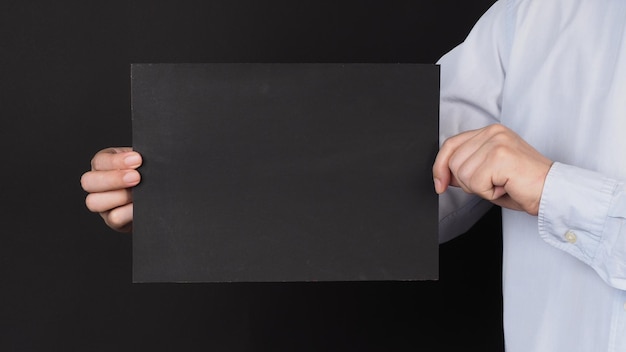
pixel 120 218
pixel 476 166
pixel 441 168
pixel 105 201
pixel 507 202
pixel 104 181
pixel 479 175
pixel 116 159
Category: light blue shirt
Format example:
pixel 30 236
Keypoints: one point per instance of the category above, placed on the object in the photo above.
pixel 554 71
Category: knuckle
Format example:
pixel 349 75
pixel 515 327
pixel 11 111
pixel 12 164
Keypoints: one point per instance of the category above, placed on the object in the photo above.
pixel 96 162
pixel 103 159
pixel 496 128
pixel 84 181
pixel 500 152
pixel 464 174
pixel 115 218
pixel 91 203
pixel 455 163
pixel 447 143
pixel 501 138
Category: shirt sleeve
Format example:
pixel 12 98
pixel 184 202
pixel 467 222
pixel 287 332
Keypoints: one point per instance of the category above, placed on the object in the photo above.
pixel 583 213
pixel 472 78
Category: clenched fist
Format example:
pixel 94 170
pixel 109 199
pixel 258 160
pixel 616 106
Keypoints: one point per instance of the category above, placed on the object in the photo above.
pixel 494 163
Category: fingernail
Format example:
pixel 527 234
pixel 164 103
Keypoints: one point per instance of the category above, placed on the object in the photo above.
pixel 131 177
pixel 437 183
pixel 132 160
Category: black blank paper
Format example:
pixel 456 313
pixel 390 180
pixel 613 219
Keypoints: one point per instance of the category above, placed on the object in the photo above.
pixel 285 172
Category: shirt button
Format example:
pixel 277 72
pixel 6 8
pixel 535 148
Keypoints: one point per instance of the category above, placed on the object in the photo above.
pixel 570 237
pixel 624 306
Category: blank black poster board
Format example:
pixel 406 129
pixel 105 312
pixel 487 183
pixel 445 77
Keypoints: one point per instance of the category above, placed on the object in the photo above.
pixel 285 172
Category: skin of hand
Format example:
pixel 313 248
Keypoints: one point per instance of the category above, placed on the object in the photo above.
pixel 494 163
pixel 113 174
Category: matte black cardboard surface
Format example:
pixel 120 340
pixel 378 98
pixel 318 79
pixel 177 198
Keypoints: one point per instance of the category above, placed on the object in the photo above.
pixel 285 172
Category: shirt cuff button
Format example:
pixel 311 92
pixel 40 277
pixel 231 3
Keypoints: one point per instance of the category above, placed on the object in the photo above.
pixel 570 237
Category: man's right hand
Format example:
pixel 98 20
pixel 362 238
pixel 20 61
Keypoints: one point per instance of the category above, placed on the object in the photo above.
pixel 113 174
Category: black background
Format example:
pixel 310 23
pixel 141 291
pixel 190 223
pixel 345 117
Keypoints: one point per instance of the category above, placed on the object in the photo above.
pixel 64 95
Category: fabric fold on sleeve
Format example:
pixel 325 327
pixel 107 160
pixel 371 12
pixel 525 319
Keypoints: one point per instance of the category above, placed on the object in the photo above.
pixel 582 212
